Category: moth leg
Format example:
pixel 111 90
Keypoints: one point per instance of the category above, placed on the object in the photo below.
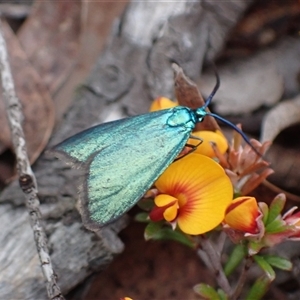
pixel 196 138
pixel 192 147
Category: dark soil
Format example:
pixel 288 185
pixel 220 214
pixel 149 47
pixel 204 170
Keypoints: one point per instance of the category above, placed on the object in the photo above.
pixel 147 270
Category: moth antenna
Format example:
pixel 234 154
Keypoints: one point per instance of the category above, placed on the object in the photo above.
pixel 210 97
pixel 244 136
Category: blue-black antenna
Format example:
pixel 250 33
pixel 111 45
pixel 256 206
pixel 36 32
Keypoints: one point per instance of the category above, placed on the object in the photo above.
pixel 212 94
pixel 208 101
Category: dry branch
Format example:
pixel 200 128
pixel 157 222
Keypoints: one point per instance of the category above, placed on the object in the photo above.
pixel 27 179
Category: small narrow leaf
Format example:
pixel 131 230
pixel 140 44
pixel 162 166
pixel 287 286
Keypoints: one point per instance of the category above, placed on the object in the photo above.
pixel 174 235
pixel 222 295
pixel 259 288
pixel 151 229
pixel 276 226
pixel 146 204
pixel 265 266
pixel 278 262
pixel 206 292
pixel 156 231
pixel 276 208
pixel 142 217
pixel 254 247
pixel 235 258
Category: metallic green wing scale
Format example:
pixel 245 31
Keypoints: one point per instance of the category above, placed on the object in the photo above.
pixel 123 158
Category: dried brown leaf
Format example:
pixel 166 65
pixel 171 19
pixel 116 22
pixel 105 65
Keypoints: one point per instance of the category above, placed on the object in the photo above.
pixel 187 94
pixel 50 38
pixel 96 23
pixel 36 102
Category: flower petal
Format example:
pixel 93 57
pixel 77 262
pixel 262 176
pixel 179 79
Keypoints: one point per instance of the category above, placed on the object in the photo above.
pixel 157 214
pixel 171 212
pixel 209 138
pixel 162 103
pixel 255 180
pixel 164 200
pixel 242 214
pixel 166 208
pixel 203 191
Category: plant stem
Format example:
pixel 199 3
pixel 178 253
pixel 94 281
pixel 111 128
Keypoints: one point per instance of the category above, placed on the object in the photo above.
pixel 242 279
pixel 215 262
pixel 27 179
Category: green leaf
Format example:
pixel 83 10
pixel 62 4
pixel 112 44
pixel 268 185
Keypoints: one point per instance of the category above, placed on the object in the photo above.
pixel 151 230
pixel 235 258
pixel 275 208
pixel 259 288
pixel 265 266
pixel 142 217
pixel 174 235
pixel 206 291
pixel 254 247
pixel 237 194
pixel 146 204
pixel 278 262
pixel 222 295
pixel 275 226
pixel 156 231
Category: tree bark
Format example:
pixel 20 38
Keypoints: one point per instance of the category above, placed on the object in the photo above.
pixel 134 68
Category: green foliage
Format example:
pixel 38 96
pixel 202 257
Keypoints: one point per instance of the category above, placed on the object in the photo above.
pixel 207 292
pixel 146 204
pixel 254 247
pixel 276 226
pixel 156 231
pixel 222 295
pixel 275 208
pixel 234 260
pixel 259 288
pixel 278 262
pixel 142 217
pixel 265 266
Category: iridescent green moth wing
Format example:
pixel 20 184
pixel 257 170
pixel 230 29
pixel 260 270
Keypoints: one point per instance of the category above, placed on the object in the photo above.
pixel 123 158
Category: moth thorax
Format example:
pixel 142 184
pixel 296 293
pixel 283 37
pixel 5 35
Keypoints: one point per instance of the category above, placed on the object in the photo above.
pixel 200 113
pixel 182 117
